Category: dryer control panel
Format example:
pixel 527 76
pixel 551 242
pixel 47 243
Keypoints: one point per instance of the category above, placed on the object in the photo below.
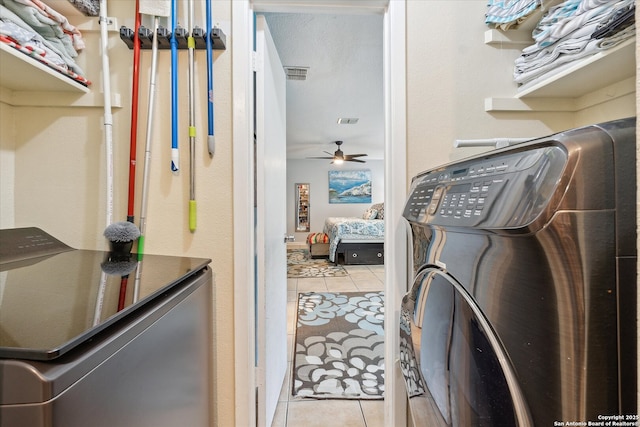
pixel 504 190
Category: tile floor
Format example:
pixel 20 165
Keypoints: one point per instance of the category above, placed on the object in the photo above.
pixel 299 412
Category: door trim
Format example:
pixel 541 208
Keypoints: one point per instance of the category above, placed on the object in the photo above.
pixel 244 213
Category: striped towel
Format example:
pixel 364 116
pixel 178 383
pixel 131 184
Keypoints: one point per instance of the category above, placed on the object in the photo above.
pixel 314 238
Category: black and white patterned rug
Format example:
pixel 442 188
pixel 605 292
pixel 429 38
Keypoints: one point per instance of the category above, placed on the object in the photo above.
pixel 300 264
pixel 339 345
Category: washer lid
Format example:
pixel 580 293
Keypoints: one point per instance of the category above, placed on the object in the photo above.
pixel 50 304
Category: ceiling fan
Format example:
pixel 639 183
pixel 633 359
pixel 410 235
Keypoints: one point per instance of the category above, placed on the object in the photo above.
pixel 339 157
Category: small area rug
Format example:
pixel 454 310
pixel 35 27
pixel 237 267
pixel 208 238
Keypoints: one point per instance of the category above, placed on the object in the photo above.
pixel 339 346
pixel 300 264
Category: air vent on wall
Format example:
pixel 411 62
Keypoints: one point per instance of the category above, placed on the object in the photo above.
pixel 296 73
pixel 347 121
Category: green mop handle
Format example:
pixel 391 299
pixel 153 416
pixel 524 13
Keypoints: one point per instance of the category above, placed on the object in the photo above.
pixel 192 215
pixel 192 196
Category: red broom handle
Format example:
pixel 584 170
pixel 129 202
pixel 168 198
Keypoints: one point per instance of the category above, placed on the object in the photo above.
pixel 134 116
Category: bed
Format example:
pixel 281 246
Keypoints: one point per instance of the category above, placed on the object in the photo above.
pixel 355 240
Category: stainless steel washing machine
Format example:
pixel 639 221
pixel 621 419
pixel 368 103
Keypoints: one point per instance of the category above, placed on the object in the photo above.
pixel 522 306
pixel 102 339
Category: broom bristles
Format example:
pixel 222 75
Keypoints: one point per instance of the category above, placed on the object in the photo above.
pixel 123 231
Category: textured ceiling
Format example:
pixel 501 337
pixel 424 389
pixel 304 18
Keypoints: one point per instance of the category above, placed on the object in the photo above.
pixel 344 54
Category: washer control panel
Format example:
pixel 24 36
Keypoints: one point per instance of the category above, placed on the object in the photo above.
pixel 506 190
pixel 18 244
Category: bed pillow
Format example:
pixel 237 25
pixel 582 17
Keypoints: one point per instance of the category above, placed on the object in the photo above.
pixel 370 214
pixel 379 207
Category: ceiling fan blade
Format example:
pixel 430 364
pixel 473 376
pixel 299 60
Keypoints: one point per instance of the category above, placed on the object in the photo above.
pixel 355 160
pixel 351 156
pixel 328 158
pixel 331 154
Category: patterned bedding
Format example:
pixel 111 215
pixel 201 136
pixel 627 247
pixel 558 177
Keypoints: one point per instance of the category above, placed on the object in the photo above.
pixel 358 229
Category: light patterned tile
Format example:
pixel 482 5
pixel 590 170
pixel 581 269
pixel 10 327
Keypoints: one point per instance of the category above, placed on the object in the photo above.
pixel 285 391
pixel 292 308
pixel 315 284
pixel 280 418
pixel 339 284
pixel 373 411
pixel 322 413
pixel 292 296
pixel 369 285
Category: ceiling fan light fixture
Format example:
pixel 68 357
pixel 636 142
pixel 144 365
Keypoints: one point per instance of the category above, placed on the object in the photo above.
pixel 339 157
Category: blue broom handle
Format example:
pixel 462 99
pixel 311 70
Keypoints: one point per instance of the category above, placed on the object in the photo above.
pixel 175 153
pixel 209 31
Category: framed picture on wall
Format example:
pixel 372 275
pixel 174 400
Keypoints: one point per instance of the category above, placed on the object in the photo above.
pixel 350 186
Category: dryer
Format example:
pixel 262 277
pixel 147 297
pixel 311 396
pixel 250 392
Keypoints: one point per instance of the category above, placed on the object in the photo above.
pixel 521 309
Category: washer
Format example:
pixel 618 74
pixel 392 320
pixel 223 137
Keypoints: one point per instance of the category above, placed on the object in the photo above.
pixel 87 338
pixel 522 301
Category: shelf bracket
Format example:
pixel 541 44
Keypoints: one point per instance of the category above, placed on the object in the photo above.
pixel 530 104
pixel 507 38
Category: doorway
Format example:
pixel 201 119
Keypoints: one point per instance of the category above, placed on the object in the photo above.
pixel 334 67
pixel 395 130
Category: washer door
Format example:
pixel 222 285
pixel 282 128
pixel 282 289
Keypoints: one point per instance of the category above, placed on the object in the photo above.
pixel 455 369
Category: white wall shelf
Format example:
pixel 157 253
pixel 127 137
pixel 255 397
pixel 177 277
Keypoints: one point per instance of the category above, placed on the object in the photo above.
pixel 586 75
pixel 22 73
pixel 25 81
pixel 599 78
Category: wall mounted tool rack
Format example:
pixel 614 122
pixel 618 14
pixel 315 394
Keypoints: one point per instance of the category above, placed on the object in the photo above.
pixel 218 38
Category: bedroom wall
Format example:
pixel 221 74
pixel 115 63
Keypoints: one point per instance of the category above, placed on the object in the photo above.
pixel 316 173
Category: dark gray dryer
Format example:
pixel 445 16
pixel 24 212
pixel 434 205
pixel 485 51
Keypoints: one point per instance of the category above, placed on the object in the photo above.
pixel 522 301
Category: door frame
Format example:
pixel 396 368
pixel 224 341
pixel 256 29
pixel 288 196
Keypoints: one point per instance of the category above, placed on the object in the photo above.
pixel 396 184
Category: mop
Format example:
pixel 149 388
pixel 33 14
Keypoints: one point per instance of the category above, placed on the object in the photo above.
pixel 175 153
pixel 155 8
pixel 211 139
pixel 192 128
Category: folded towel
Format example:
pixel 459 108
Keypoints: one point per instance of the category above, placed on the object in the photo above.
pixel 49 12
pixel 620 20
pixel 569 52
pixel 548 31
pixel 508 13
pixel 565 34
pixel 30 40
pixel 48 28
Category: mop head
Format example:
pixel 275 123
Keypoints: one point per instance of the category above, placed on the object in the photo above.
pixel 123 231
pixel 121 267
pixel 155 7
